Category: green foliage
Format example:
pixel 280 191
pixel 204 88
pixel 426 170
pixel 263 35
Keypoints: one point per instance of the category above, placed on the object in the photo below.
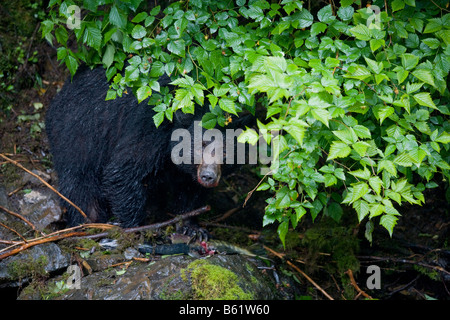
pixel 360 99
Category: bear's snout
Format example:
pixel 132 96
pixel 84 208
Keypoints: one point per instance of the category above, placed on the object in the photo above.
pixel 209 175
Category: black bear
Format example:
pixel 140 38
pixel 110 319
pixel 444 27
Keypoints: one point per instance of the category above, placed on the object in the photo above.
pixel 111 160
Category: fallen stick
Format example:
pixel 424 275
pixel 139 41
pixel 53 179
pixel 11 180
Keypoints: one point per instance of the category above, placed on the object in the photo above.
pixel 41 241
pixel 355 285
pixel 154 226
pixel 46 183
pixel 301 272
pixel 83 235
pixel 22 218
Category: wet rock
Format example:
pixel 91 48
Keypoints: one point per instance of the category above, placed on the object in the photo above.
pixel 38 260
pixel 29 179
pixel 177 277
pixel 40 207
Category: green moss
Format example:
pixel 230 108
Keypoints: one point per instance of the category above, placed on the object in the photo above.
pixel 28 268
pixel 213 282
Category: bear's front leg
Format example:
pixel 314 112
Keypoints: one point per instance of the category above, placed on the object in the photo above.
pixel 126 194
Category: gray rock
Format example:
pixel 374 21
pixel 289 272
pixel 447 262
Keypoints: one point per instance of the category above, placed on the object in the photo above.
pixel 177 277
pixel 17 269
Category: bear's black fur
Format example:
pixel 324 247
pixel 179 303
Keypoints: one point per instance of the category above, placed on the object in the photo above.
pixel 111 159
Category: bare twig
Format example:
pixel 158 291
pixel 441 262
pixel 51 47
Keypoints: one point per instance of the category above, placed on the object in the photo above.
pixel 154 226
pixel 279 255
pixel 62 234
pixel 36 242
pixel 14 231
pixel 355 285
pixel 251 192
pixel 21 218
pixel 46 183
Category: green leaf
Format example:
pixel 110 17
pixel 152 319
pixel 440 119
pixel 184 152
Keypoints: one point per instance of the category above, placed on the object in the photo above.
pixel 227 105
pixel 375 44
pixel 71 64
pixel 363 174
pixel 282 231
pixel 158 118
pixel 117 18
pixel 177 47
pixel 409 61
pixel 141 16
pixel 110 95
pixel 326 14
pixel 443 138
pixel 403 159
pixel 317 27
pixel 397 5
pixel 362 132
pixel 209 120
pixel 296 130
pixel 375 183
pixel 362 208
pixel 385 112
pixel 345 13
pixel 388 166
pixel 402 74
pixel 394 196
pixel 346 135
pixel 108 57
pixel 305 19
pixel 92 37
pixel 143 93
pixel 321 114
pixel 338 150
pixel 358 72
pixel 212 100
pixel 361 32
pixel 330 180
pixel 249 135
pixel 359 190
pixel 376 209
pixel 62 35
pixel 425 76
pixel 424 99
pixel 335 211
pixel 376 67
pixel 433 25
pixel 184 98
pixel 138 32
pixel 388 222
pixel 361 148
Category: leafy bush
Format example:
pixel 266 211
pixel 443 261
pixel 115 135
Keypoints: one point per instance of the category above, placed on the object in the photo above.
pixel 358 96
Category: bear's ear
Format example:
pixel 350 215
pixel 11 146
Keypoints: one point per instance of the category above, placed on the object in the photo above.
pixel 182 119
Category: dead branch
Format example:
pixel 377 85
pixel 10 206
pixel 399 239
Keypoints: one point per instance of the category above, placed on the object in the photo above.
pixel 154 226
pixel 14 231
pixel 227 214
pixel 355 285
pixel 41 241
pixel 46 184
pixel 399 260
pixel 22 218
pixel 279 255
pixel 251 191
pixel 62 234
